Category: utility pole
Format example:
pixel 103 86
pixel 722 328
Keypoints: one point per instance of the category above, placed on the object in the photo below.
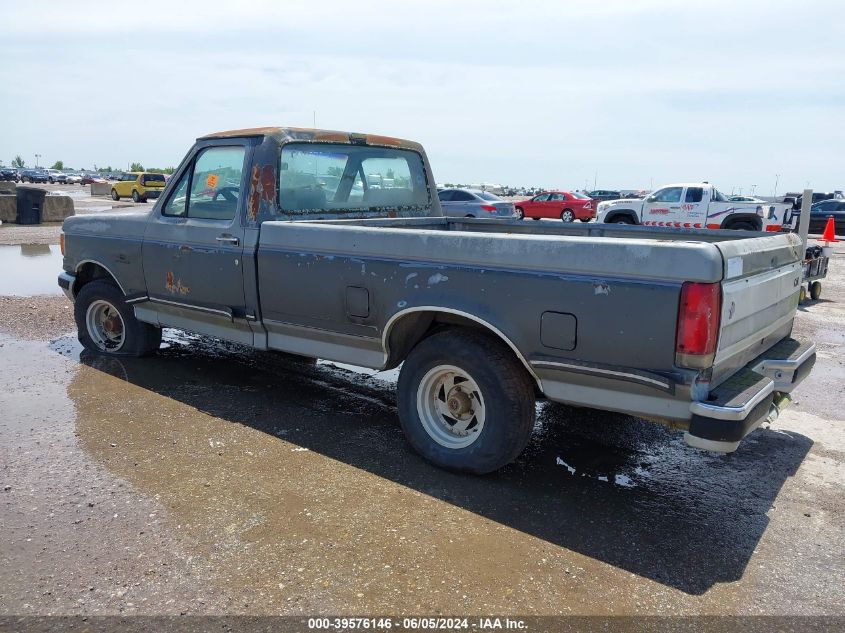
pixel 753 189
pixel 775 192
pixel 315 118
pixel 37 157
pixel 595 179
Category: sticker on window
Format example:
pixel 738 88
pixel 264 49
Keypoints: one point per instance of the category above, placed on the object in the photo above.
pixel 211 181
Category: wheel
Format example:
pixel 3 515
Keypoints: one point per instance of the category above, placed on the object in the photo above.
pixel 742 226
pixel 536 219
pixel 802 295
pixel 52 182
pixel 567 215
pixel 621 219
pixel 106 323
pixel 465 402
pixel 520 214
pixel 585 219
pixel 114 195
pixel 469 215
pixel 135 197
pixel 815 290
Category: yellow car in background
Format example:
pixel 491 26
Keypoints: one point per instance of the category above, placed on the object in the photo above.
pixel 140 185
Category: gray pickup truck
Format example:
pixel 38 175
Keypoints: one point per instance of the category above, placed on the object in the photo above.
pixel 334 245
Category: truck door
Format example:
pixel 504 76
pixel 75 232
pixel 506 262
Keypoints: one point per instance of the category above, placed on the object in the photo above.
pixel 694 207
pixel 663 207
pixel 193 247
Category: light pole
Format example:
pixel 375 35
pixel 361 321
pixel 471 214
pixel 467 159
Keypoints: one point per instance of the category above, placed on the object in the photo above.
pixel 753 189
pixel 37 157
pixel 775 192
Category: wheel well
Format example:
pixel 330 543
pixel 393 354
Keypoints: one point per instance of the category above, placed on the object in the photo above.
pixel 744 218
pixel 91 271
pixel 628 213
pixel 412 327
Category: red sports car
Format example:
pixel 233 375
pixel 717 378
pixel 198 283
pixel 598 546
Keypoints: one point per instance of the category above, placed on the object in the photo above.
pixel 557 204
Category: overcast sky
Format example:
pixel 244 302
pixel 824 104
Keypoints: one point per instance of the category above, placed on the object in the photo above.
pixel 623 93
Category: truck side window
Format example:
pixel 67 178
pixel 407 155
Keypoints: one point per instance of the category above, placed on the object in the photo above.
pixel 215 185
pixel 667 194
pixel 694 194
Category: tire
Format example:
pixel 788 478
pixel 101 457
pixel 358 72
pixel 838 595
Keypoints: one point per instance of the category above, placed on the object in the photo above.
pixel 520 213
pixel 815 290
pixel 621 219
pixel 119 333
pixel 114 195
pixel 567 215
pixel 742 226
pixel 496 381
pixel 135 196
pixel 585 219
pixel 802 295
pixel 469 215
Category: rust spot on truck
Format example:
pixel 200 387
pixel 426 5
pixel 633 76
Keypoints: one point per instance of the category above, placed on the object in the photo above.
pixel 262 188
pixel 174 287
pixel 375 139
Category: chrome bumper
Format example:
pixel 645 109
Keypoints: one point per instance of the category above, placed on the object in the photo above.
pixel 756 393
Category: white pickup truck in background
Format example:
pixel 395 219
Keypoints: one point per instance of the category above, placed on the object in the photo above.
pixel 697 205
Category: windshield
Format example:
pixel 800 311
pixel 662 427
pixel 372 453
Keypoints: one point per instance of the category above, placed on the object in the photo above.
pixel 342 178
pixel 579 196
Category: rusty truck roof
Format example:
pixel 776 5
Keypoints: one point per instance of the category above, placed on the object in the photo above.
pixel 288 134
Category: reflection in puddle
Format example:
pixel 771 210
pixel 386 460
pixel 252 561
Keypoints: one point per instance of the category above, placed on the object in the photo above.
pixel 30 269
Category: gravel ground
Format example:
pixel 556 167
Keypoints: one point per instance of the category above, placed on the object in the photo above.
pixel 36 318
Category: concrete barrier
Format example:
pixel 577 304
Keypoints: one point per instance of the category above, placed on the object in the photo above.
pixel 56 208
pixel 7 186
pixel 8 208
pixel 100 188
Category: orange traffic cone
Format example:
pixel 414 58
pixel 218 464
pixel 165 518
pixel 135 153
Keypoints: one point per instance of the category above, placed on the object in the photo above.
pixel 829 234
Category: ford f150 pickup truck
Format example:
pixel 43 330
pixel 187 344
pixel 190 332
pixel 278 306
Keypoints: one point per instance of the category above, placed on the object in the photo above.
pixel 279 238
pixel 695 205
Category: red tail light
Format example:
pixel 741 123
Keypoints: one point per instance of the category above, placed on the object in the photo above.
pixel 489 208
pixel 699 316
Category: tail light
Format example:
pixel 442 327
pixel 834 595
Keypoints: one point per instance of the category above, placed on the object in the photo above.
pixel 62 243
pixel 699 315
pixel 489 208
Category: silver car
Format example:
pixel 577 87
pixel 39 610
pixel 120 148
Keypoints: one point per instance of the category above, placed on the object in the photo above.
pixel 473 203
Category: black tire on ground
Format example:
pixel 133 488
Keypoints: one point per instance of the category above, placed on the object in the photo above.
pixel 135 196
pixel 802 294
pixel 621 219
pixel 506 391
pixel 140 338
pixel 536 219
pixel 815 290
pixel 585 219
pixel 742 226
pixel 469 215
pixel 520 214
pixel 567 215
pixel 114 195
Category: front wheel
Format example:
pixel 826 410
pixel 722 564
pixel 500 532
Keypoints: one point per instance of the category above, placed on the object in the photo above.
pixel 465 401
pixel 520 214
pixel 106 324
pixel 567 215
pixel 621 220
pixel 114 195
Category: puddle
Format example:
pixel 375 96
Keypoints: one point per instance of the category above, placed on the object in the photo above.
pixel 30 269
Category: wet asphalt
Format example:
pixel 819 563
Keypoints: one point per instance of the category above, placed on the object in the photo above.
pixel 211 478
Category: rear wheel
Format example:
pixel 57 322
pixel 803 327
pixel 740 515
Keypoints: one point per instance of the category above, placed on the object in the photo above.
pixel 742 226
pixel 520 214
pixel 106 324
pixel 802 295
pixel 465 402
pixel 815 290
pixel 567 215
pixel 135 196
pixel 114 195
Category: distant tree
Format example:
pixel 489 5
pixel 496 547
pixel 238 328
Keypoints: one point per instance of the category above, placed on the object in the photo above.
pixel 17 161
pixel 136 167
pixel 390 174
pixel 334 170
pixel 105 170
pixel 58 165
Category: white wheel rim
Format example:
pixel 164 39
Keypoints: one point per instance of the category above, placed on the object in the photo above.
pixel 105 326
pixel 450 406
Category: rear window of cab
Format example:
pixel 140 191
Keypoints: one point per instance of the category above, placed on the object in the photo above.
pixel 154 179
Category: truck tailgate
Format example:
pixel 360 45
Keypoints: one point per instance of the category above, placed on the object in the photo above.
pixel 762 278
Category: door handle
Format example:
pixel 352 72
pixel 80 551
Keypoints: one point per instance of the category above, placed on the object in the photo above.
pixel 228 239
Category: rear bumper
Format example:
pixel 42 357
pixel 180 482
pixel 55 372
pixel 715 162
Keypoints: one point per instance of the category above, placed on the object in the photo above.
pixel 759 391
pixel 152 193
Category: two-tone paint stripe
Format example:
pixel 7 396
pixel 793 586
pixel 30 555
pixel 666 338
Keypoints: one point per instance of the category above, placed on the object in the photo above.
pixel 677 225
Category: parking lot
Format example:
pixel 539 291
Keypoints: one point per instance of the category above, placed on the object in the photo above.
pixel 213 479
